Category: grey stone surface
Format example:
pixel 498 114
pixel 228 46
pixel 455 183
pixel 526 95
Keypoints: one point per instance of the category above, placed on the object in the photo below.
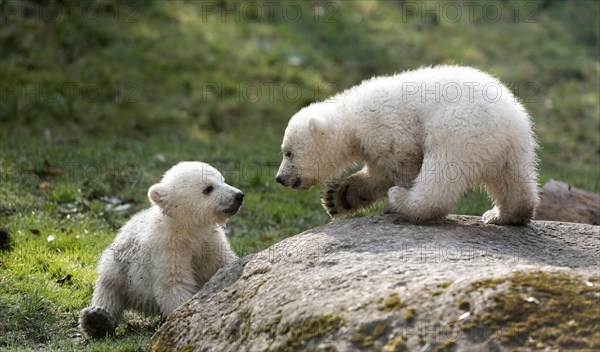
pixel 335 287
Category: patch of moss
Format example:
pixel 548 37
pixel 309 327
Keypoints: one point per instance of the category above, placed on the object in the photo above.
pixel 544 310
pixel 284 329
pixel 259 271
pixel 390 304
pixel 256 288
pixel 396 345
pixel 271 328
pixel 409 315
pixel 449 345
pixel 436 292
pixel 365 336
pixel 361 341
pixel 468 325
pixel 378 330
pixel 328 348
pixel 302 333
pixel 267 328
pixel 464 304
pixel 444 284
pixel 362 306
pixel 214 331
pixel 243 326
pixel 164 338
pixel 483 284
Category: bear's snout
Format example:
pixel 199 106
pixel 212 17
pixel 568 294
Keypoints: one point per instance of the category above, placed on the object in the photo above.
pixel 239 196
pixel 294 183
pixel 236 203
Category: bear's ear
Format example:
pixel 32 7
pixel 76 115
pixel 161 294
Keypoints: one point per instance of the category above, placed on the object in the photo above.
pixel 317 124
pixel 158 194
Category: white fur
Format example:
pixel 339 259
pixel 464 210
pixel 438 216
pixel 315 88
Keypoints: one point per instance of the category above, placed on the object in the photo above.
pixel 425 137
pixel 164 254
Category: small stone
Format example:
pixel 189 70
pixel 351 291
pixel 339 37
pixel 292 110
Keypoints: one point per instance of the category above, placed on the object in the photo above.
pixel 464 316
pixel 531 300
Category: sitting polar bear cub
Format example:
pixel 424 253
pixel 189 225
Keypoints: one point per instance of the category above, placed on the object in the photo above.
pixel 424 137
pixel 165 254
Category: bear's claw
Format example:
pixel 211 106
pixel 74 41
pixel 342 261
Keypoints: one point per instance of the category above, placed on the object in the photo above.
pixel 490 216
pixel 335 200
pixel 493 216
pixel 96 322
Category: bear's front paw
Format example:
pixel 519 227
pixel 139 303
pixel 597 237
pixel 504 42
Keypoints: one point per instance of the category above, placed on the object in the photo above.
pixel 396 199
pixel 492 216
pixel 96 322
pixel 335 200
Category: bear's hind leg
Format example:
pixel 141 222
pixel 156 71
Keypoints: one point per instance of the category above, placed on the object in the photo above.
pixel 102 317
pixel 359 191
pixel 515 197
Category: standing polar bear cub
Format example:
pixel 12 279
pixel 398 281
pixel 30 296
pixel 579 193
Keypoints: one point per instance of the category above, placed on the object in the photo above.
pixel 164 254
pixel 425 137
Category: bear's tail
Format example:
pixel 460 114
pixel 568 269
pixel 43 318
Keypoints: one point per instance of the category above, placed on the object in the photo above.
pixel 96 322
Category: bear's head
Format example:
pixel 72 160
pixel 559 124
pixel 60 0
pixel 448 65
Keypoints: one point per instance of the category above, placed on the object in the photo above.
pixel 311 149
pixel 195 193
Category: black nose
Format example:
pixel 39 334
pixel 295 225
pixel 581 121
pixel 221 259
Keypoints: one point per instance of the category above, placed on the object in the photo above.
pixel 239 196
pixel 278 179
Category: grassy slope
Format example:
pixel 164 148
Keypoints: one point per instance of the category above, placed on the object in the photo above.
pixel 142 102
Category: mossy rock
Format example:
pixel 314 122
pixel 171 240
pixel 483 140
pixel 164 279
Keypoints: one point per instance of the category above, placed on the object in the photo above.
pixel 358 284
pixel 545 310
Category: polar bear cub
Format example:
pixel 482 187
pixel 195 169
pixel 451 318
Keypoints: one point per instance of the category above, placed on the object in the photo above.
pixel 164 254
pixel 424 137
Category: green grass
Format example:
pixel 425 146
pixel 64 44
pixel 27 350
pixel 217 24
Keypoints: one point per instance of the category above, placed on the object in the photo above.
pixel 113 101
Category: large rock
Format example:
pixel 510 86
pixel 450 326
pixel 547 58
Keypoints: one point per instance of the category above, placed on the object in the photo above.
pixel 561 202
pixel 376 283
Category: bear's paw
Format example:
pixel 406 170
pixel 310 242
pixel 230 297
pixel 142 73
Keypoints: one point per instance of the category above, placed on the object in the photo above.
pixel 96 322
pixel 397 198
pixel 335 200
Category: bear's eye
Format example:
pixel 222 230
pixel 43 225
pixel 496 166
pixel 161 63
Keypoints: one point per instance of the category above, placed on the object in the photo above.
pixel 207 189
pixel 288 154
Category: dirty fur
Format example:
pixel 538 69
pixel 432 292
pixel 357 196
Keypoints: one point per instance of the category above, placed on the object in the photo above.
pixel 164 254
pixel 424 137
